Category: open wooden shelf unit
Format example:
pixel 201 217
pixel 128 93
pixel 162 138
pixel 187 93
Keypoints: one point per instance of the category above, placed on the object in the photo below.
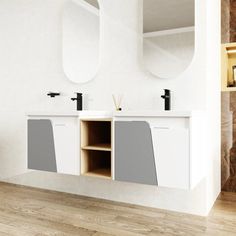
pixel 228 67
pixel 96 147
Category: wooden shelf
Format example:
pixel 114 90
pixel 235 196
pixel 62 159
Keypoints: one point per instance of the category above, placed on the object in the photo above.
pixel 96 148
pixel 229 89
pixel 97 119
pixel 96 163
pixel 228 61
pixel 101 173
pixel 95 132
pixel 99 147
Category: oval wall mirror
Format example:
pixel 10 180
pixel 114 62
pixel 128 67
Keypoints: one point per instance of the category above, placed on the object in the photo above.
pixel 168 36
pixel 80 41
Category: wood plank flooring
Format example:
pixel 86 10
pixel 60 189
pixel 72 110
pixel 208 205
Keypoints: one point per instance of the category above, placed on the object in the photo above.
pixel 30 211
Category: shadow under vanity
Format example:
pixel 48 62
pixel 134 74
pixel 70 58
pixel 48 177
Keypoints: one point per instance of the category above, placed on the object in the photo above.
pixel 153 148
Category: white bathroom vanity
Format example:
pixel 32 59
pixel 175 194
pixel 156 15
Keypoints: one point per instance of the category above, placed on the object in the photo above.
pixel 147 147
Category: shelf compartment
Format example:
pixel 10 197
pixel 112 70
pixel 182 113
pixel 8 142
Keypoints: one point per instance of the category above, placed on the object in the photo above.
pixel 95 132
pixel 228 67
pixel 96 163
pixel 101 173
pixel 99 147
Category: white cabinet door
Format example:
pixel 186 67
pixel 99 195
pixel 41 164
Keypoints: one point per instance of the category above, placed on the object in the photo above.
pixel 65 132
pixel 171 148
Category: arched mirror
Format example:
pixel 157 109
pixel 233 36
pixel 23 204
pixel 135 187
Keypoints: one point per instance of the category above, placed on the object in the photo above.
pixel 81 40
pixel 168 36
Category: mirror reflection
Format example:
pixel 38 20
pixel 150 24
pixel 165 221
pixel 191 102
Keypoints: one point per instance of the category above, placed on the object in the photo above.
pixel 168 36
pixel 81 40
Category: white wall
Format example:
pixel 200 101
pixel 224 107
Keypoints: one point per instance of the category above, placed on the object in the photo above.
pixel 30 59
pixel 213 101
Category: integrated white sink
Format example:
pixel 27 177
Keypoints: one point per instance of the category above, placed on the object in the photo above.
pixel 97 114
pixel 108 114
pixel 85 113
pixel 53 113
pixel 153 113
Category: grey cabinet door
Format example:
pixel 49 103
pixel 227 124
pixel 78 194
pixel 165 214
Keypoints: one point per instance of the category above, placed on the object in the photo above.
pixel 134 155
pixel 41 149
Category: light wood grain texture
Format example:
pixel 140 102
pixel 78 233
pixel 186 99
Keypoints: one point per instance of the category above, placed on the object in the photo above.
pixel 228 60
pixel 102 173
pixel 224 68
pixel 95 161
pixel 96 147
pixel 96 119
pixel 30 211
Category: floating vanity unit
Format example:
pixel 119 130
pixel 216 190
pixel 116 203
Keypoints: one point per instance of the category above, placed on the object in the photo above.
pixel 155 148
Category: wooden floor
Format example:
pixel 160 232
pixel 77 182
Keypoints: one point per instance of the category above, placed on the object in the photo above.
pixel 29 211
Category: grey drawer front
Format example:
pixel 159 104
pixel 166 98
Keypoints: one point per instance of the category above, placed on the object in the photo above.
pixel 134 155
pixel 41 149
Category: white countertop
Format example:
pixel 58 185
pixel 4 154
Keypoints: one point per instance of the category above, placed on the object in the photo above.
pixel 88 113
pixel 110 114
pixel 52 113
pixel 153 113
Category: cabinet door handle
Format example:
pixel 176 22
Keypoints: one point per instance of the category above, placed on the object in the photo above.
pixel 161 127
pixel 59 124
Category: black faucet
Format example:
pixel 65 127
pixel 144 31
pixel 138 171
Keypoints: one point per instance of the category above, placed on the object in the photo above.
pixel 52 94
pixel 79 101
pixel 167 98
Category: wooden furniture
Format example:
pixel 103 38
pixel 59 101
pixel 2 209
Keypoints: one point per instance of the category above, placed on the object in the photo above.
pixel 96 147
pixel 228 61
